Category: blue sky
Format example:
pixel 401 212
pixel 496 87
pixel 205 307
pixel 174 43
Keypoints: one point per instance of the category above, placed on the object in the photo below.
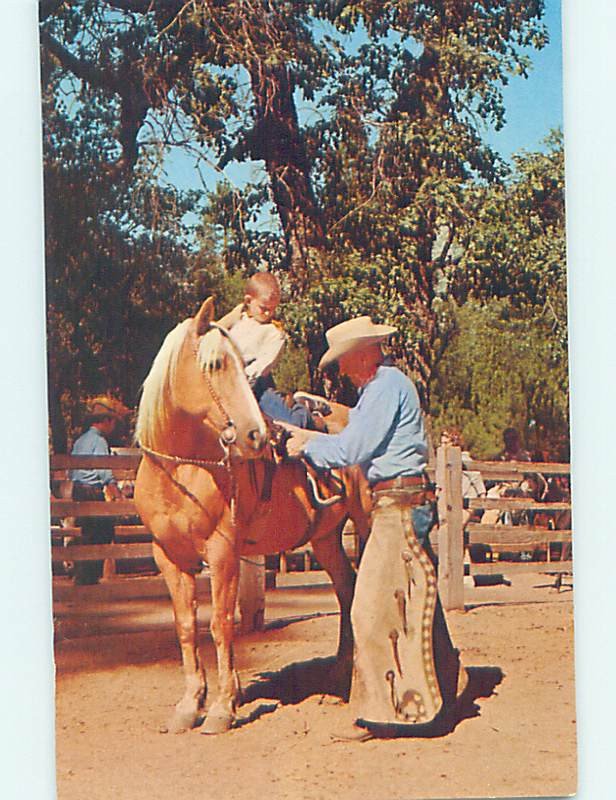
pixel 534 106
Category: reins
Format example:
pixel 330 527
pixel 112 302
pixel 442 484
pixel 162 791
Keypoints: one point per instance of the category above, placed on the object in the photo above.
pixel 223 462
pixel 199 462
pixel 227 437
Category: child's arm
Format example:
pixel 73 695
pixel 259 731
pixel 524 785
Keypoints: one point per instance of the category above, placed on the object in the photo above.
pixel 231 317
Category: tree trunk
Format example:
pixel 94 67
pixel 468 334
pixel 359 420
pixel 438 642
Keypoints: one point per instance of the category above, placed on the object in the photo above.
pixel 278 141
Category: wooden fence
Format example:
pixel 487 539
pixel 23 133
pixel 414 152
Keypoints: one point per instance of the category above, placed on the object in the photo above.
pixel 131 539
pixel 498 537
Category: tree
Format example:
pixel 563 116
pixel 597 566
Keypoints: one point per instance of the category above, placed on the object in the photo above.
pixel 503 310
pixel 500 370
pixel 117 268
pixel 514 243
pixel 381 172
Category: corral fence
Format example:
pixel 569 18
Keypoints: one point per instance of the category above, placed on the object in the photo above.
pixel 130 552
pixel 499 540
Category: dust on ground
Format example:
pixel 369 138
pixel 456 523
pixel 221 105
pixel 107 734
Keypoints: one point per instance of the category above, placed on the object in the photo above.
pixel 119 676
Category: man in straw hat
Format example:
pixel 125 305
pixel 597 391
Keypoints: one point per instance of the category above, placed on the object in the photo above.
pixel 406 670
pixel 103 414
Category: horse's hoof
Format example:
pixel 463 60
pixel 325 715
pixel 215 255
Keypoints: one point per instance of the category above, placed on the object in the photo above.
pixel 215 724
pixel 180 722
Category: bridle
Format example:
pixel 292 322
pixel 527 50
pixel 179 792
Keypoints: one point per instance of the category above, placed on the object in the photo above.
pixel 226 438
pixel 228 435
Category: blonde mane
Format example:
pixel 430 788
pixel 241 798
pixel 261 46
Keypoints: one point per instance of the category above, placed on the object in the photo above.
pixel 155 402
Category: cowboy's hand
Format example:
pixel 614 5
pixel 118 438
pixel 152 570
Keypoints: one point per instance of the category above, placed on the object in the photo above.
pixel 296 442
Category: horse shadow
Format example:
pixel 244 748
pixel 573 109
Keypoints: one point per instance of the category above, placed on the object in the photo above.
pixel 303 679
pixel 298 681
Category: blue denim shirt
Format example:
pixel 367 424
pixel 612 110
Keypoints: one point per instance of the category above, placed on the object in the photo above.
pixel 385 434
pixel 91 443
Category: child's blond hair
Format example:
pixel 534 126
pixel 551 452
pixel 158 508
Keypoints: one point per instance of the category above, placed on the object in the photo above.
pixel 262 283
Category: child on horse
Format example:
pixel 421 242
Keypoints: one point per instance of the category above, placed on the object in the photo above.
pixel 260 340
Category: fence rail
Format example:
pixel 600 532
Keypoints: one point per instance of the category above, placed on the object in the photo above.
pixel 132 539
pixel 66 545
pixel 499 539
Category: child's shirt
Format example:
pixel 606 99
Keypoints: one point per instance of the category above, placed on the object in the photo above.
pixel 260 344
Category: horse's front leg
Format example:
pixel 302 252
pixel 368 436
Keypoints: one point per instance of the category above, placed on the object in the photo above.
pixel 223 559
pixel 181 587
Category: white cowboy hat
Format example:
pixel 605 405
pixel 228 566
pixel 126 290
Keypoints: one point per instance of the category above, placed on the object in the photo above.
pixel 354 334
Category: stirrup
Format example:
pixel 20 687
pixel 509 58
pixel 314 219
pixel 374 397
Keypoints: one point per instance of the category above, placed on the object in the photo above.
pixel 314 403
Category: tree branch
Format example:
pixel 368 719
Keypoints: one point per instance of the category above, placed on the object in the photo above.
pixel 165 10
pixel 82 69
pixel 134 6
pixel 47 8
pixel 133 99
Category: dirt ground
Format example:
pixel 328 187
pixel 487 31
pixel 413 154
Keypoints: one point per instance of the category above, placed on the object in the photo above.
pixel 118 677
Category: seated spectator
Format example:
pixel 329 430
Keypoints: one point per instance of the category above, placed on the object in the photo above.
pixel 472 482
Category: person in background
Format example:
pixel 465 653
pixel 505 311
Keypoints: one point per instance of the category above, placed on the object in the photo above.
pixel 406 670
pixel 104 414
pixel 472 482
pixel 513 450
pixel 472 487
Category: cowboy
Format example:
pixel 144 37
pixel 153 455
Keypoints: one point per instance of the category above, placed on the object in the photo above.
pixel 104 414
pixel 405 668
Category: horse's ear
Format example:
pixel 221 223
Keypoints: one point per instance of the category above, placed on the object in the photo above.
pixel 204 316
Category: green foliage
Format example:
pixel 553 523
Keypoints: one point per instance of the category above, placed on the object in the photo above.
pixel 118 272
pixel 514 243
pixel 291 372
pixel 499 370
pixel 389 203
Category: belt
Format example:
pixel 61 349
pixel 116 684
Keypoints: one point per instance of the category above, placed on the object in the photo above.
pixel 401 482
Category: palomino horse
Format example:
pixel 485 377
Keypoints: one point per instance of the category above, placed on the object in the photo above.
pixel 206 494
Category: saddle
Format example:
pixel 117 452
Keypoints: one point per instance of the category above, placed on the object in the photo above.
pixel 325 487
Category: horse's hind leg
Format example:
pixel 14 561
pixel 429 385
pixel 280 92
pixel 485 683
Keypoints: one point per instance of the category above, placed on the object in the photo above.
pixel 330 554
pixel 181 587
pixel 224 577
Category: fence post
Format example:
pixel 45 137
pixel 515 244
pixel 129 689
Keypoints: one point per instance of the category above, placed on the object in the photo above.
pixel 450 532
pixel 251 593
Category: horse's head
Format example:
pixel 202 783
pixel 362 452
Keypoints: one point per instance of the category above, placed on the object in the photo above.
pixel 199 374
pixel 211 385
